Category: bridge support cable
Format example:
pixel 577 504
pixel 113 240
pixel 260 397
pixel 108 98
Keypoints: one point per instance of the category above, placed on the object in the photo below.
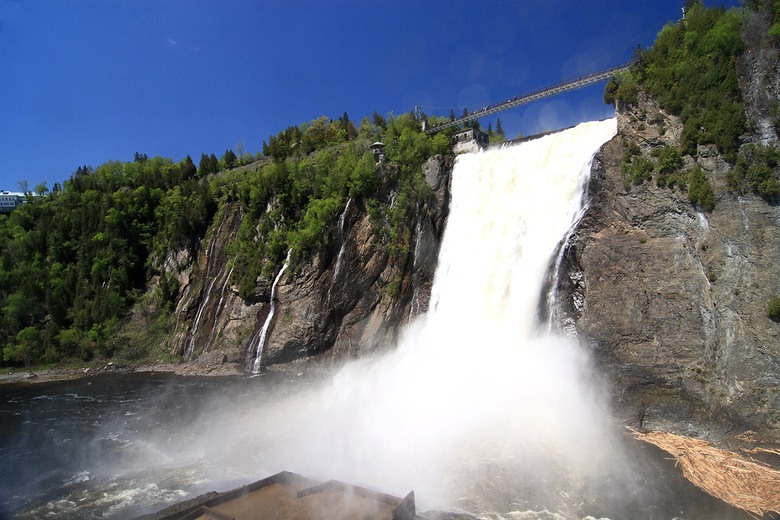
pixel 533 96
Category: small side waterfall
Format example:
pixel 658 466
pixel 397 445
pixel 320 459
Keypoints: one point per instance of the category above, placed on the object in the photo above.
pixel 194 330
pixel 552 293
pixel 216 262
pixel 414 304
pixel 340 256
pixel 204 300
pixel 261 337
pixel 219 306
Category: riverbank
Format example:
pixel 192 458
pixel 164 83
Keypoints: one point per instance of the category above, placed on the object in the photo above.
pixel 205 365
pixel 45 375
pixel 65 373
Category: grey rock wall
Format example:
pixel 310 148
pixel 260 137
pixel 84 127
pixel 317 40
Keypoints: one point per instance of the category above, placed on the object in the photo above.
pixel 349 300
pixel 673 300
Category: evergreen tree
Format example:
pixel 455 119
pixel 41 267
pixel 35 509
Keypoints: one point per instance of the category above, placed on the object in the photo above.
pixel 229 159
pixel 347 127
pixel 380 121
pixel 188 169
pixel 203 165
pixel 499 128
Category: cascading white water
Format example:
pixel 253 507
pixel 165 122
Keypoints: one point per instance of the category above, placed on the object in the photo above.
pixel 196 323
pixel 340 256
pixel 203 302
pixel 476 408
pixel 261 337
pixel 219 307
pixel 474 380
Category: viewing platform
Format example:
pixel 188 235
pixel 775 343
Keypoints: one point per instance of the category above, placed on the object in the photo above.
pixel 289 496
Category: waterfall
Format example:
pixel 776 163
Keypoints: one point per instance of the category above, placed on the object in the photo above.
pixel 219 307
pixel 196 323
pixel 477 408
pixel 261 337
pixel 204 301
pixel 340 256
pixel 475 379
pixel 414 303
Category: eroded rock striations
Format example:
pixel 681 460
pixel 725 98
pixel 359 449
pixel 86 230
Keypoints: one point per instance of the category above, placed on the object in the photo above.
pixel 349 300
pixel 673 300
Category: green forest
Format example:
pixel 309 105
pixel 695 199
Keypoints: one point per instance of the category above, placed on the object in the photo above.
pixel 76 258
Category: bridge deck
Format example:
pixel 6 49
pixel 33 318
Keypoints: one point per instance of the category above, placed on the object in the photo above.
pixel 542 93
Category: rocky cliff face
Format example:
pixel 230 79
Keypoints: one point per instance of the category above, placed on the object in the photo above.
pixel 349 300
pixel 759 79
pixel 673 300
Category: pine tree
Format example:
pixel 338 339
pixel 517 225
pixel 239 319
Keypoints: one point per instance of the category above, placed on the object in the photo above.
pixel 229 159
pixel 203 165
pixel 380 121
pixel 189 171
pixel 499 128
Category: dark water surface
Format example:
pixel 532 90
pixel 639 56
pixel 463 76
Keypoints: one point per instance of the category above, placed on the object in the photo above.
pixel 81 448
pixel 119 446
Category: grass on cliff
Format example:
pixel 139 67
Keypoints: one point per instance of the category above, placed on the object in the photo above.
pixel 773 309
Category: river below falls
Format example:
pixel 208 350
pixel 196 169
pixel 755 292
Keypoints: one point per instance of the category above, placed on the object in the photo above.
pixel 124 445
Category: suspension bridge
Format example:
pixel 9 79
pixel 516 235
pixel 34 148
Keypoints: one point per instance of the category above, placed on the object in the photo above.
pixel 536 95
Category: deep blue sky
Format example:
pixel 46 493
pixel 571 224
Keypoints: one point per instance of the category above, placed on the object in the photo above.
pixel 87 81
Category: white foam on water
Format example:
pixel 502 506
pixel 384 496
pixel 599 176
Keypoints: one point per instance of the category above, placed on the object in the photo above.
pixel 472 385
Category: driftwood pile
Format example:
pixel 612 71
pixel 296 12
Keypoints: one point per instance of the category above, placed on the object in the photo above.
pixel 742 482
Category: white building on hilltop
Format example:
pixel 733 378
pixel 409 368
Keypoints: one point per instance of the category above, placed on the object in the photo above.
pixel 9 200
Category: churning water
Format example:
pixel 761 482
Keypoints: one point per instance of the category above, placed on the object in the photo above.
pixel 475 409
pixel 472 388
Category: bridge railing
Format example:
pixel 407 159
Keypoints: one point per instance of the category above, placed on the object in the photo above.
pixel 533 96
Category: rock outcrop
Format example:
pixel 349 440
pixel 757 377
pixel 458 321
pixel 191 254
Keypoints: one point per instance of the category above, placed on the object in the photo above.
pixel 758 68
pixel 349 300
pixel 673 300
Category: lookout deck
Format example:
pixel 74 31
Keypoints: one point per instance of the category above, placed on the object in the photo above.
pixel 289 496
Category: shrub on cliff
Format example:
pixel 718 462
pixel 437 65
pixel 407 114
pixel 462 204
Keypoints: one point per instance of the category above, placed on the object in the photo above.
pixel 691 72
pixel 636 170
pixel 622 88
pixel 773 309
pixel 700 190
pixel 756 171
